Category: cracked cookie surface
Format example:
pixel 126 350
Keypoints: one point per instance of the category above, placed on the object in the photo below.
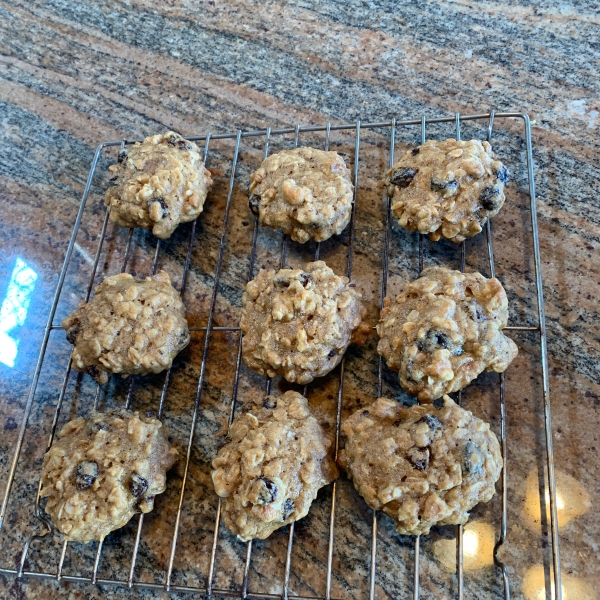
pixel 158 184
pixel 271 465
pixel 443 330
pixel 299 322
pixel 104 469
pixel 422 466
pixel 306 192
pixel 447 189
pixel 131 326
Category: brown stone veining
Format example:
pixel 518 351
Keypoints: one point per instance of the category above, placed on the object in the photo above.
pixel 75 75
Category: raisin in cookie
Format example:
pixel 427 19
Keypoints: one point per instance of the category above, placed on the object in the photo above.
pixel 305 192
pixel 271 465
pixel 447 189
pixel 298 323
pixel 422 466
pixel 443 330
pixel 104 469
pixel 158 184
pixel 130 326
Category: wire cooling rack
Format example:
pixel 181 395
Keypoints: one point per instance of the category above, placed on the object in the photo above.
pixel 390 128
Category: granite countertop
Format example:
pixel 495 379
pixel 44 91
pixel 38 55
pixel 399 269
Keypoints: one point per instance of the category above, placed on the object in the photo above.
pixel 78 74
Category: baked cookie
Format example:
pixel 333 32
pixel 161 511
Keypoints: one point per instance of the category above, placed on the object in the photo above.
pixel 158 184
pixel 271 465
pixel 298 323
pixel 447 189
pixel 305 192
pixel 130 326
pixel 422 466
pixel 443 330
pixel 104 469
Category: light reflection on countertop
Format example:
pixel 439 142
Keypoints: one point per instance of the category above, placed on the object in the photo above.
pixel 572 500
pixel 13 310
pixel 478 546
pixel 573 588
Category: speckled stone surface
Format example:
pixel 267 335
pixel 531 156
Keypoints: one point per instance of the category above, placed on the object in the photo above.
pixel 77 74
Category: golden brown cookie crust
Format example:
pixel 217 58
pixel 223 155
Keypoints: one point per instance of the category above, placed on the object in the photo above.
pixel 104 469
pixel 447 189
pixel 443 330
pixel 422 466
pixel 158 184
pixel 306 192
pixel 299 322
pixel 271 465
pixel 131 326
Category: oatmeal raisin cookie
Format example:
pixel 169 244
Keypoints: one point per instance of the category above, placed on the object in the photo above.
pixel 443 330
pixel 299 322
pixel 423 465
pixel 158 184
pixel 104 469
pixel 447 189
pixel 306 192
pixel 271 465
pixel 131 326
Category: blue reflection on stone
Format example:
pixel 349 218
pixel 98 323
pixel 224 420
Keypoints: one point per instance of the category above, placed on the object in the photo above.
pixel 14 309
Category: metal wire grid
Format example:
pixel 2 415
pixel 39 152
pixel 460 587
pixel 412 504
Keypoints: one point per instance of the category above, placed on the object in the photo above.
pixel 244 592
